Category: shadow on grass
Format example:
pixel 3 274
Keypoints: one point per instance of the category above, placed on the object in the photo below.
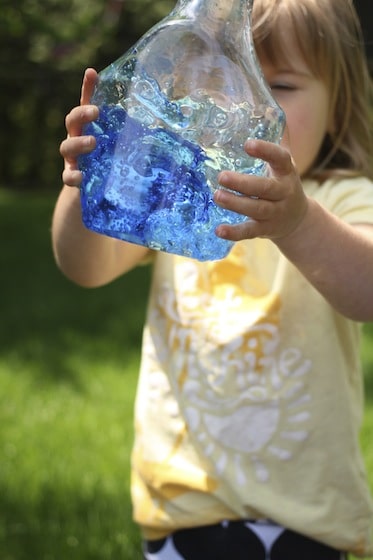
pixel 44 315
pixel 50 330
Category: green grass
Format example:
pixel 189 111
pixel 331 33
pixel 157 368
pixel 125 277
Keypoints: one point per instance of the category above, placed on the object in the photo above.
pixel 68 369
pixel 367 430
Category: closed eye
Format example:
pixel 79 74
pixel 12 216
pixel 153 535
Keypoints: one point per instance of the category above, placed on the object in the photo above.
pixel 281 86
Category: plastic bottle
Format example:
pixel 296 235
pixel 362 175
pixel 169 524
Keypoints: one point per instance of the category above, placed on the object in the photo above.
pixel 175 110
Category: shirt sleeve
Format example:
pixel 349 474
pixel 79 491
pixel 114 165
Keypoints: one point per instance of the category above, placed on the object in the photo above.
pixel 350 199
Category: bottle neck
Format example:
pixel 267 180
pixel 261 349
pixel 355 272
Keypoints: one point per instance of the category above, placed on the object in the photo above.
pixel 216 12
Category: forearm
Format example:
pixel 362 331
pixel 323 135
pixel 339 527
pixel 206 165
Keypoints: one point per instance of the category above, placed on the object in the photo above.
pixel 85 257
pixel 336 258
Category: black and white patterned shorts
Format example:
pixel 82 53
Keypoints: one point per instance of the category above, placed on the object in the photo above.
pixel 239 540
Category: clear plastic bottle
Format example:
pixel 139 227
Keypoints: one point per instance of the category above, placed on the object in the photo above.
pixel 175 110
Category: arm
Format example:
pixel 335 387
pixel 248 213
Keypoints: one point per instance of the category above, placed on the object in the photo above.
pixel 87 258
pixel 335 257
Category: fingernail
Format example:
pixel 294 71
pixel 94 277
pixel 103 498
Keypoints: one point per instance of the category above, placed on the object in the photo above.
pixel 91 112
pixel 88 141
pixel 222 177
pixel 250 144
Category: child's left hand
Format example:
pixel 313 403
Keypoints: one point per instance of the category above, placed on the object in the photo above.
pixel 275 204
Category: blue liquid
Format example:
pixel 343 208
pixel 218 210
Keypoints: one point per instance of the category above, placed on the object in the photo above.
pixel 148 186
pixel 153 174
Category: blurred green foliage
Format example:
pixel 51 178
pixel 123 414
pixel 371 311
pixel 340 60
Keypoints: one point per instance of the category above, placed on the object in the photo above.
pixel 45 45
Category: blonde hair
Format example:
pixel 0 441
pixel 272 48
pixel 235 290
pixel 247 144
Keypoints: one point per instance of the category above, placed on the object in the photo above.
pixel 329 37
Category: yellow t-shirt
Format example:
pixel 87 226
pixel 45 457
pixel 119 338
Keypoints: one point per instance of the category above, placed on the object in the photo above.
pixel 250 394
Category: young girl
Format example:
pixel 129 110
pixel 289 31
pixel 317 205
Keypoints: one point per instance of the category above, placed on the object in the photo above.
pixel 250 392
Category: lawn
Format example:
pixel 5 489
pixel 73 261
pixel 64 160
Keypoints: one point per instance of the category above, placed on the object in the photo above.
pixel 68 368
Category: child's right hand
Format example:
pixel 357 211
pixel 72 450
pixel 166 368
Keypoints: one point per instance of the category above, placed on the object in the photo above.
pixel 76 144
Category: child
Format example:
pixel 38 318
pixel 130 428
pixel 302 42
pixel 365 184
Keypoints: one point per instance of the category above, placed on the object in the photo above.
pixel 250 392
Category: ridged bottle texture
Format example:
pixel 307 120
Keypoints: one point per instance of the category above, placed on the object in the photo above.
pixel 175 110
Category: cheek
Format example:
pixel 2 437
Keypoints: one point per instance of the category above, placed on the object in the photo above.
pixel 306 135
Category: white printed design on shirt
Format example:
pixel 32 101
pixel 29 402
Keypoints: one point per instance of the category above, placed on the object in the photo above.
pixel 242 395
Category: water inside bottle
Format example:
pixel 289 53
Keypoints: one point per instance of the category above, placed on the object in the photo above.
pixel 152 177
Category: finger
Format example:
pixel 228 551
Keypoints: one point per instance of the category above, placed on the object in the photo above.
pixel 89 82
pixel 253 186
pixel 285 142
pixel 71 148
pixel 72 177
pixel 253 207
pixel 248 229
pixel 277 156
pixel 78 117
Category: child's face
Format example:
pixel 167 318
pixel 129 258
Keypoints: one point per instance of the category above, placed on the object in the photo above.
pixel 305 101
